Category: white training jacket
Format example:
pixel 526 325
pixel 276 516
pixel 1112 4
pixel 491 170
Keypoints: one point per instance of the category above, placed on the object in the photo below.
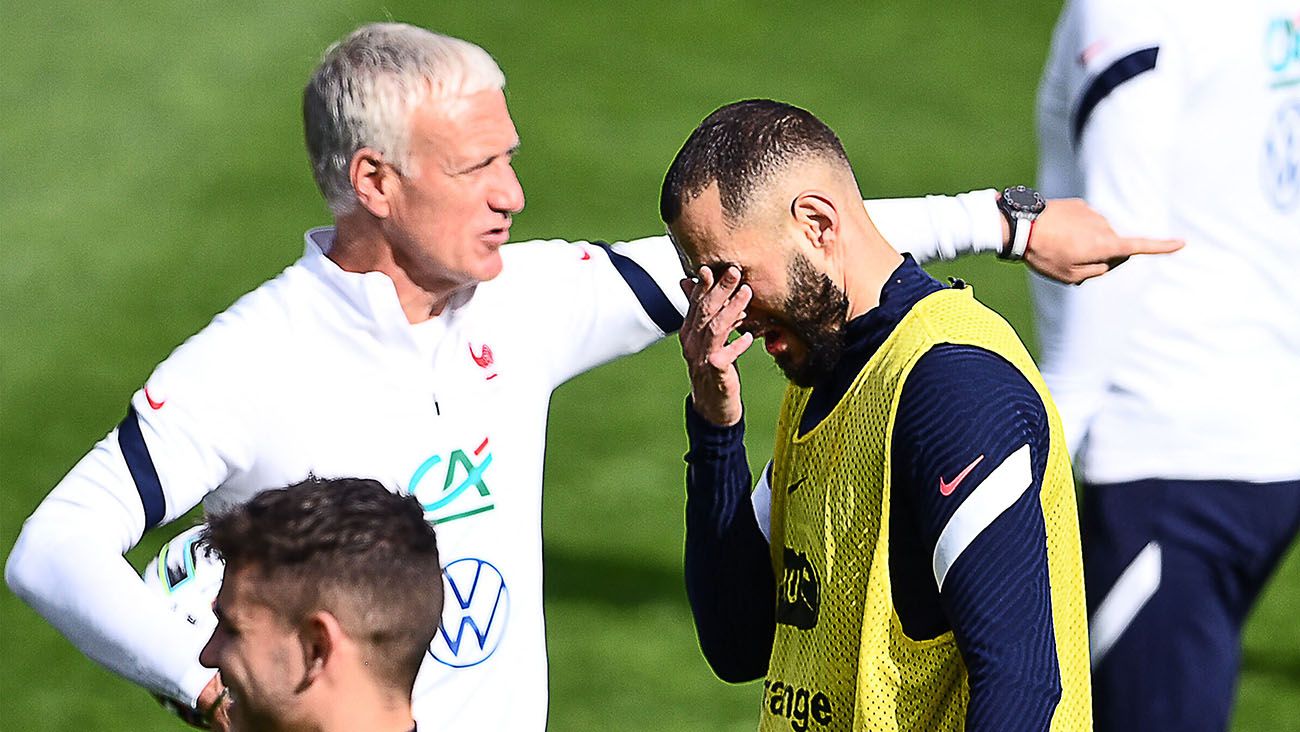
pixel 1178 118
pixel 318 372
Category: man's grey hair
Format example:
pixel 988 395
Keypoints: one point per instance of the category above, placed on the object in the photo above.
pixel 366 87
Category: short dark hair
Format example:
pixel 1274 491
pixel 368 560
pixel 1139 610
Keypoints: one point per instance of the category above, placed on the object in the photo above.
pixel 738 146
pixel 348 546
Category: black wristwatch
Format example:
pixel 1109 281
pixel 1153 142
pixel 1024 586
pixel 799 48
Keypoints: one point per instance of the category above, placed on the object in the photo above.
pixel 1021 205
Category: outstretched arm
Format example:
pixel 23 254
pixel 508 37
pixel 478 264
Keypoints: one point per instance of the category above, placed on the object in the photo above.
pixel 1069 243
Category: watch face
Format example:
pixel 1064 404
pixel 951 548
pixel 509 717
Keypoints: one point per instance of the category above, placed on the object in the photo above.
pixel 1024 199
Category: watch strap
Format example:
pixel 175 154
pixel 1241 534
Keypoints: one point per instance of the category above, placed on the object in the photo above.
pixel 1021 227
pixel 1020 218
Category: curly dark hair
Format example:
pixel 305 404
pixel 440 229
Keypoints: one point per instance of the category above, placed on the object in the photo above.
pixel 348 546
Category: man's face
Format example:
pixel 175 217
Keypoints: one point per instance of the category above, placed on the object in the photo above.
pixel 796 308
pixel 451 211
pixel 258 654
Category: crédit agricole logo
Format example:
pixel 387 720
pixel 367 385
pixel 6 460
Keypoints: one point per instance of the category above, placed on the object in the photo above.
pixel 453 486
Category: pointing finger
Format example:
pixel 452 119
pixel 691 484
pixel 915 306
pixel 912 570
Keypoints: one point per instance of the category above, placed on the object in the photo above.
pixel 1138 245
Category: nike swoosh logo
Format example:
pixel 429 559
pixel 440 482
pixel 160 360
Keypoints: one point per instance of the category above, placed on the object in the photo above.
pixel 946 489
pixel 794 486
pixel 155 405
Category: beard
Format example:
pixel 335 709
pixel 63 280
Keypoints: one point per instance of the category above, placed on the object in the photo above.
pixel 815 312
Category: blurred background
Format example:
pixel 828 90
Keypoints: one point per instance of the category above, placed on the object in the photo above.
pixel 153 170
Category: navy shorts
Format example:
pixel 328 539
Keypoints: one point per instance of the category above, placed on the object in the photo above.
pixel 1171 569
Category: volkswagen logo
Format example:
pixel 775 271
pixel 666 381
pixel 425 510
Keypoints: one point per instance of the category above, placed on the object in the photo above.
pixel 1280 165
pixel 476 608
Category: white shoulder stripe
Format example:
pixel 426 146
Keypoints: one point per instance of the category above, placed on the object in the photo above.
pixel 1002 488
pixel 762 500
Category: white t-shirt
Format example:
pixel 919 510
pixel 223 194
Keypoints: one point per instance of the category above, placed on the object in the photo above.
pixel 1178 119
pixel 318 372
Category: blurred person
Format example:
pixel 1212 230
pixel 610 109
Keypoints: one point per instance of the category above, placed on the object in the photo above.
pixel 409 346
pixel 332 594
pixel 917 562
pixel 1177 378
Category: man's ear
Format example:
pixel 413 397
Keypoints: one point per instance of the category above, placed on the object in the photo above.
pixel 320 635
pixel 815 215
pixel 373 181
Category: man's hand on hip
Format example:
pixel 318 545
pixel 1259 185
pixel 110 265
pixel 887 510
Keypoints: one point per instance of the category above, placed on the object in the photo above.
pixel 215 703
pixel 1070 243
pixel 716 308
pixel 211 712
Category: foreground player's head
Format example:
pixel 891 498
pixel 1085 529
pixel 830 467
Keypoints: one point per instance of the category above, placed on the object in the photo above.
pixel 332 594
pixel 409 137
pixel 767 187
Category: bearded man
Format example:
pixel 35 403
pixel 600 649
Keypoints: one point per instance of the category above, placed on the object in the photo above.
pixel 915 562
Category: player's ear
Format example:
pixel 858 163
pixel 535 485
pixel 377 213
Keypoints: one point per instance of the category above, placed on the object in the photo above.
pixel 817 218
pixel 319 635
pixel 372 181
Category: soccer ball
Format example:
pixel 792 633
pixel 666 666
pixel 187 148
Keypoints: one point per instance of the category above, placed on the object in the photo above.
pixel 188 580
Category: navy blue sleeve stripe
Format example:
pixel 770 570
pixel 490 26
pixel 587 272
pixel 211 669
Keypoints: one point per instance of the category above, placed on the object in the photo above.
pixel 143 472
pixel 652 299
pixel 1108 81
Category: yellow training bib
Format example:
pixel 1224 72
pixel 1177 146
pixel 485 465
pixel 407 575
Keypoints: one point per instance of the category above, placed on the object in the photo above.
pixel 840 659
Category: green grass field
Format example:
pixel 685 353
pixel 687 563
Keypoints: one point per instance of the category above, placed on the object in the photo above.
pixel 153 171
